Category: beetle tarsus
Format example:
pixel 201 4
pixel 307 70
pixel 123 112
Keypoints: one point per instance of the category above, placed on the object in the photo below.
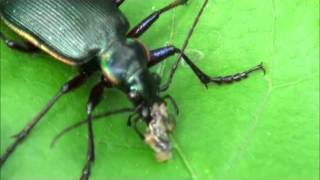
pixel 235 77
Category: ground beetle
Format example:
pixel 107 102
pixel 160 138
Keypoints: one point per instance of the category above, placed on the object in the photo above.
pixel 94 36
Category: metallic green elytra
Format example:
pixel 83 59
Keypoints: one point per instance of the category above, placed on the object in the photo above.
pixel 75 30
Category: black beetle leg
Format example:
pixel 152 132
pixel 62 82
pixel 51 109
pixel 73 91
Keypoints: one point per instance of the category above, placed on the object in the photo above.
pixel 94 99
pixel 26 47
pixel 118 2
pixel 22 135
pixel 161 54
pixel 145 24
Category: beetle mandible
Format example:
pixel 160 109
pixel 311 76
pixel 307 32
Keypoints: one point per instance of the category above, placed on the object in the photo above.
pixel 94 36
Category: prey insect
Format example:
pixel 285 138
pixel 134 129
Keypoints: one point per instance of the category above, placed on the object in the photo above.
pixel 94 36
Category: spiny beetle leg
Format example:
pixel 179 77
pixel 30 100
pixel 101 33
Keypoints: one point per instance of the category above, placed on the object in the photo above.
pixel 118 2
pixel 161 54
pixel 22 135
pixel 27 47
pixel 94 99
pixel 145 24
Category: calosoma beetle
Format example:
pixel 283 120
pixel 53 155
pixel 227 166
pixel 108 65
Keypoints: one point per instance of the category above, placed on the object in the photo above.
pixel 94 36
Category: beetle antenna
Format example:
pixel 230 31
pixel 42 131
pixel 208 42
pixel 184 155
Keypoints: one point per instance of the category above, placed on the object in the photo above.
pixel 94 118
pixel 185 44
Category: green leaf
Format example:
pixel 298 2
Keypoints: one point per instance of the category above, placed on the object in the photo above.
pixel 265 127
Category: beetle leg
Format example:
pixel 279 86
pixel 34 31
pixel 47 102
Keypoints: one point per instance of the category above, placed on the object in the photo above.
pixel 22 135
pixel 27 47
pixel 118 2
pixel 94 99
pixel 145 24
pixel 161 54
